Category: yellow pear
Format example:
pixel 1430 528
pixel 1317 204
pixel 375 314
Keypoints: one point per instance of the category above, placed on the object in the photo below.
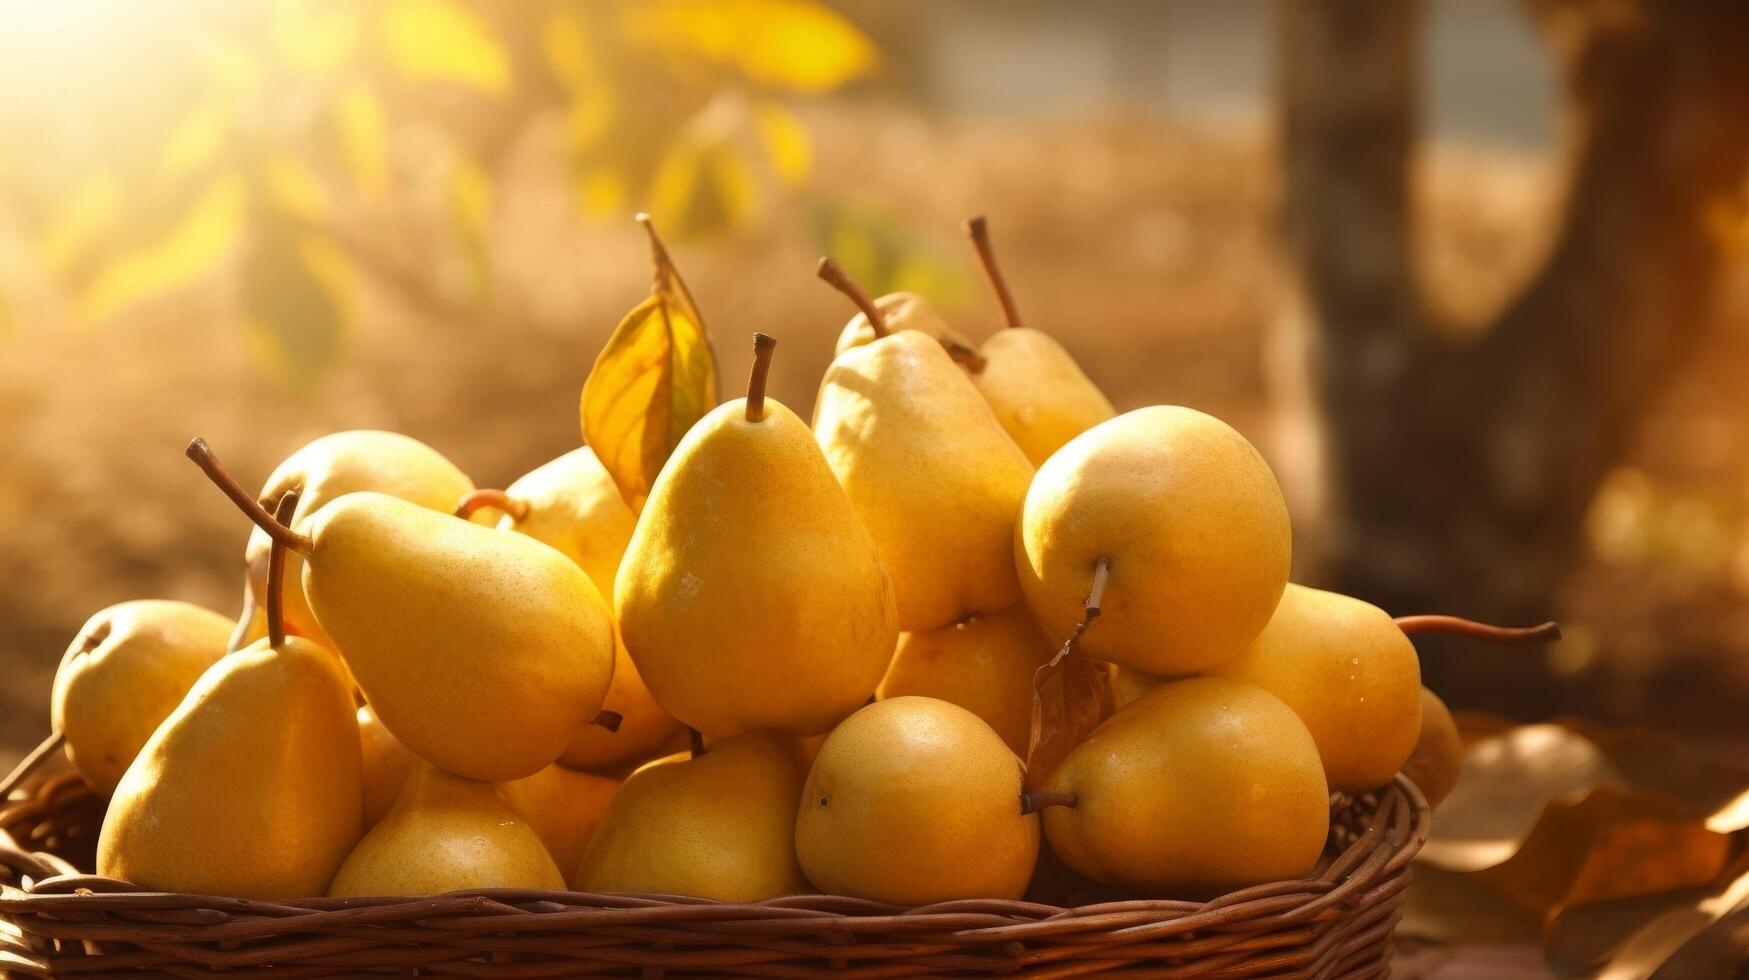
pixel 1128 684
pixel 253 787
pixel 483 652
pixel 1438 758
pixel 913 801
pixel 1039 394
pixel 340 463
pixel 721 825
pixel 1350 674
pixel 126 671
pixel 1189 522
pixel 563 807
pixel 387 764
pixel 931 473
pixel 446 834
pixel 1197 787
pixel 984 664
pixel 901 311
pixel 750 595
pixel 573 505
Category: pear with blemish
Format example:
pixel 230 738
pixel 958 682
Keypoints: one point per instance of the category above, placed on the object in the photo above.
pixel 931 473
pixel 126 671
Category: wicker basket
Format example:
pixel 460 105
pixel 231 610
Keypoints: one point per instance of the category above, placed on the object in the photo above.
pixel 57 921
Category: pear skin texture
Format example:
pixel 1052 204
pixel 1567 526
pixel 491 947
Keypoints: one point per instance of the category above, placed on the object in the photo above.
pixel 126 671
pixel 340 463
pixel 983 664
pixel 387 764
pixel 1350 674
pixel 645 727
pixel 447 834
pixel 931 474
pixel 1438 758
pixel 900 311
pixel 1198 787
pixel 563 807
pixel 751 596
pixel 1128 684
pixel 1193 523
pixel 720 826
pixel 483 652
pixel 1038 392
pixel 913 801
pixel 252 788
pixel 574 506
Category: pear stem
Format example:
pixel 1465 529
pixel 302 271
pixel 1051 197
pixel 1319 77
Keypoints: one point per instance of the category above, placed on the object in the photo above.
pixel 697 741
pixel 763 346
pixel 203 457
pixel 840 280
pixel 288 504
pixel 474 500
pixel 609 720
pixel 1034 802
pixel 979 231
pixel 240 635
pixel 1543 633
pixel 964 356
pixel 28 764
pixel 1095 598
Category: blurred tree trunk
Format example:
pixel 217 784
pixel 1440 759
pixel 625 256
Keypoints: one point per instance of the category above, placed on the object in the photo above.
pixel 1459 472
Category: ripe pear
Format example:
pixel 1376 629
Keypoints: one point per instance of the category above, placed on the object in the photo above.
pixel 1039 394
pixel 932 475
pixel 912 801
pixel 984 664
pixel 721 825
pixel 1128 684
pixel 1188 519
pixel 446 834
pixel 1196 788
pixel 901 311
pixel 340 463
pixel 750 595
pixel 1438 758
pixel 564 807
pixel 572 504
pixel 126 671
pixel 387 764
pixel 1350 674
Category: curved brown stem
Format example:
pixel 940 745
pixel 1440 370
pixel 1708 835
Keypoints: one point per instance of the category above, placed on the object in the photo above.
pixel 840 280
pixel 609 720
pixel 28 764
pixel 288 504
pixel 1544 633
pixel 203 457
pixel 475 499
pixel 979 231
pixel 964 356
pixel 763 346
pixel 1095 598
pixel 696 739
pixel 1034 802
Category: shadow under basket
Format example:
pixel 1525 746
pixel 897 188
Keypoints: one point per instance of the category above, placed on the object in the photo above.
pixel 55 920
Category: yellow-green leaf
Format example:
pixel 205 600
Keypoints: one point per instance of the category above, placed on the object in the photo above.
pixel 470 208
pixel 197 139
pixel 294 188
pixel 190 248
pixel 89 213
pixel 444 41
pixel 799 45
pixel 299 296
pixel 361 132
pixel 656 376
pixel 702 184
pixel 786 141
pixel 315 38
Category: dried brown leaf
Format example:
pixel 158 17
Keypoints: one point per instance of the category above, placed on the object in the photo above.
pixel 1070 698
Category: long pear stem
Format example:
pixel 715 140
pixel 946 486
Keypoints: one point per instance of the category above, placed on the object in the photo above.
pixel 288 504
pixel 1544 633
pixel 1095 599
pixel 763 346
pixel 1034 802
pixel 609 720
pixel 28 764
pixel 979 232
pixel 475 499
pixel 203 457
pixel 840 280
pixel 696 740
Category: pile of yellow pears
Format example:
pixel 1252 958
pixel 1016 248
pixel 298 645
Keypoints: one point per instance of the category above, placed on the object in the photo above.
pixel 806 664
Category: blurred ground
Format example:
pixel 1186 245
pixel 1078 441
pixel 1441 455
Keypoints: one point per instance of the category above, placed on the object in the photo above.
pixel 1146 249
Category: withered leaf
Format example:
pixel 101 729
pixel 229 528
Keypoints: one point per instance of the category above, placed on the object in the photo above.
pixel 656 376
pixel 1070 697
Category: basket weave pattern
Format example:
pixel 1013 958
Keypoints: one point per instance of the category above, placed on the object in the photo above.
pixel 55 921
